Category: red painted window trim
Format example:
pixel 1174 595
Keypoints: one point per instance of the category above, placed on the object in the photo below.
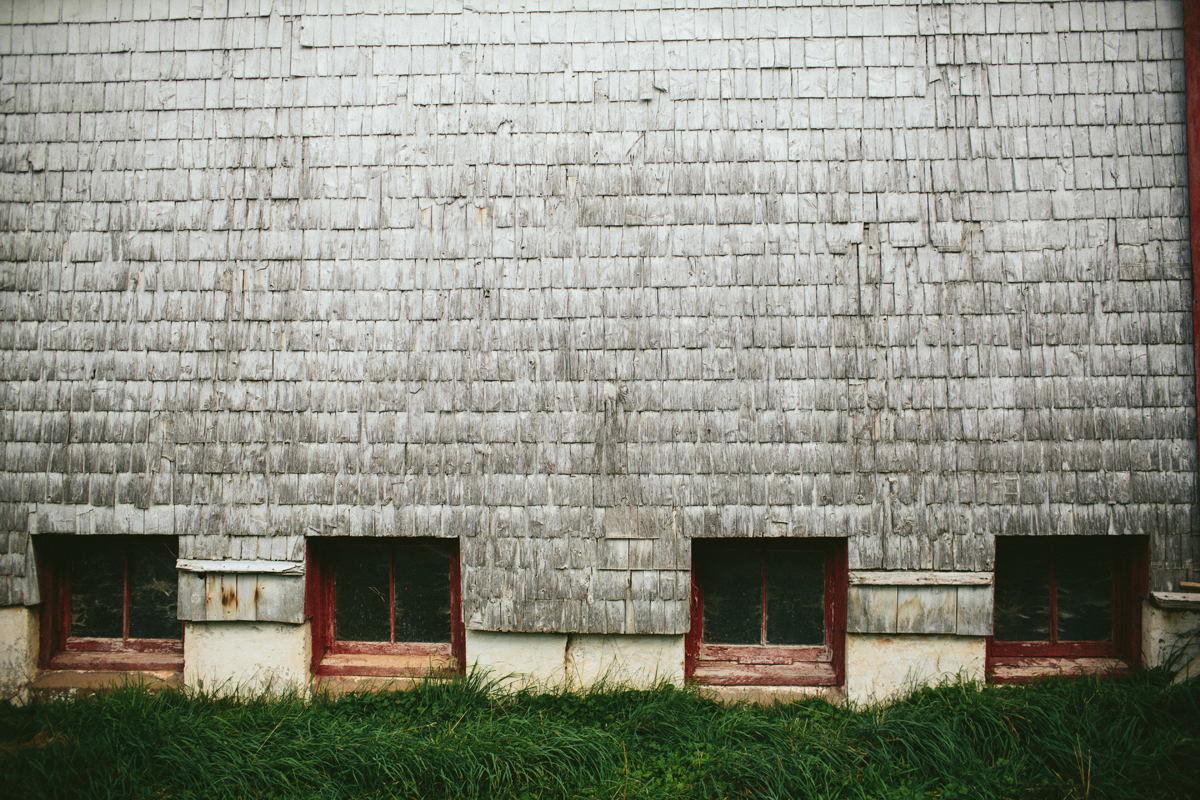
pixel 767 665
pixel 378 659
pixel 1018 662
pixel 1191 66
pixel 59 650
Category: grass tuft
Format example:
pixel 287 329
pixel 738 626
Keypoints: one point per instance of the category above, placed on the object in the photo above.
pixel 1138 737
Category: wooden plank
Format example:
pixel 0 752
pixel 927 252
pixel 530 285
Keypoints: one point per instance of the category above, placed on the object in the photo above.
pixel 805 673
pixel 1024 670
pixel 757 654
pixel 974 611
pixel 388 665
pixel 191 602
pixel 240 566
pixel 926 609
pixel 1179 600
pixel 919 578
pixel 280 598
pixel 229 597
pixel 871 609
pixel 131 661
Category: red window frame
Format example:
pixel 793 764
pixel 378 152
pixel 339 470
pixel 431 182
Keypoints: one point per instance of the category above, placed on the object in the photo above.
pixel 60 650
pixel 770 665
pixel 1023 661
pixel 335 657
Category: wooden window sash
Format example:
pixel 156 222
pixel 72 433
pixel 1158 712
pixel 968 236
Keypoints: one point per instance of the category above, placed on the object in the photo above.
pixel 766 664
pixel 338 657
pixel 1019 661
pixel 61 650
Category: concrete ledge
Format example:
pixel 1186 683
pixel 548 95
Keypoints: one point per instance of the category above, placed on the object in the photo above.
pixel 1182 601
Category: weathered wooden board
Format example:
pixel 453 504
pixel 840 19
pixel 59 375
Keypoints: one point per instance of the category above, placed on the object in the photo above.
pixel 926 609
pixel 974 611
pixel 919 578
pixel 735 674
pixel 213 597
pixel 871 609
pixel 257 566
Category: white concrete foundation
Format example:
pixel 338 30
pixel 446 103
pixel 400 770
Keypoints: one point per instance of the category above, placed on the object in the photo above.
pixel 576 661
pixel 519 660
pixel 633 661
pixel 1171 636
pixel 881 667
pixel 246 658
pixel 18 651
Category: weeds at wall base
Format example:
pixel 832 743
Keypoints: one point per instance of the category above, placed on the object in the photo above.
pixel 1137 737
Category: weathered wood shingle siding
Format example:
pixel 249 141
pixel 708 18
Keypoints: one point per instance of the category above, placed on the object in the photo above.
pixel 578 286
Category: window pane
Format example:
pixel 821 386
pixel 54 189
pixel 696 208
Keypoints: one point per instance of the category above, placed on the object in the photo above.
pixel 733 598
pixel 97 588
pixel 360 594
pixel 795 597
pixel 153 587
pixel 1084 572
pixel 1022 612
pixel 422 594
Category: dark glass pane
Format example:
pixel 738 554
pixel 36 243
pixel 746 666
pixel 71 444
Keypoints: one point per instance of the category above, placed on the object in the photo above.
pixel 1084 572
pixel 1022 612
pixel 153 588
pixel 97 588
pixel 422 594
pixel 360 594
pixel 733 598
pixel 795 597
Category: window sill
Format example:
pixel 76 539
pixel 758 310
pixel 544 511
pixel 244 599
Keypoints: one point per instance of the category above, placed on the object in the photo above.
pixel 63 682
pixel 117 661
pixel 436 661
pixel 338 685
pixel 749 665
pixel 1021 669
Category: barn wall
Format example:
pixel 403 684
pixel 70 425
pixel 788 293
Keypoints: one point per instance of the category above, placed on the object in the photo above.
pixel 580 285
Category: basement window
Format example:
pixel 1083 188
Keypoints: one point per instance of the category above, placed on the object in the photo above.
pixel 110 603
pixel 767 613
pixel 386 608
pixel 1066 606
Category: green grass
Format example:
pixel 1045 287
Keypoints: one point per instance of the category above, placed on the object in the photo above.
pixel 1136 738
